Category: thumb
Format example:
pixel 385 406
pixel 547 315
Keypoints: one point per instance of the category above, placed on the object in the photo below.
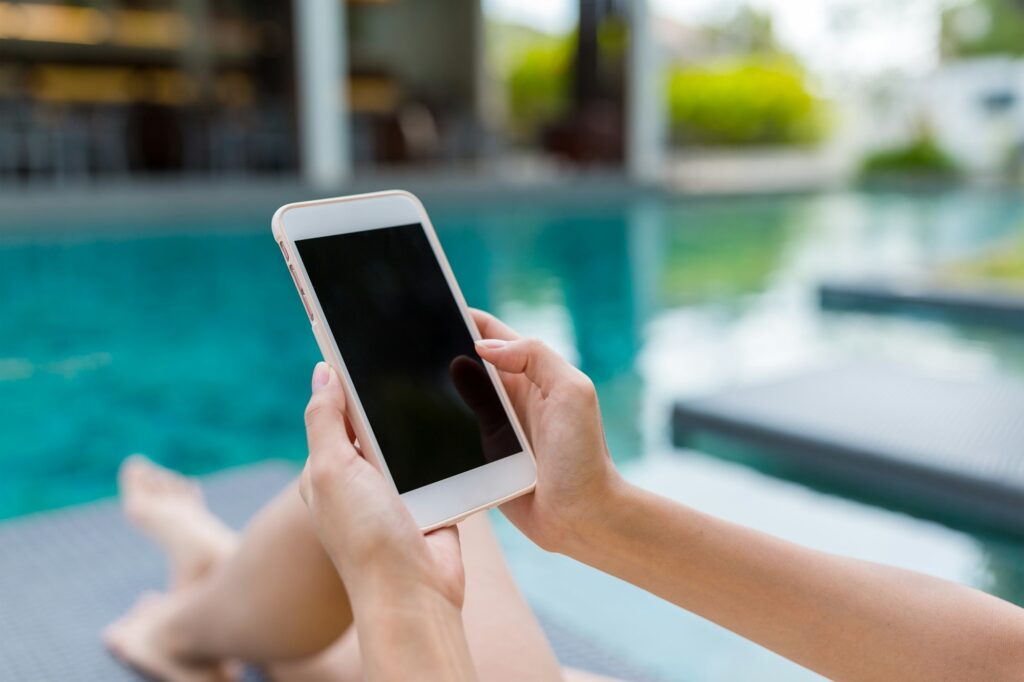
pixel 542 366
pixel 325 419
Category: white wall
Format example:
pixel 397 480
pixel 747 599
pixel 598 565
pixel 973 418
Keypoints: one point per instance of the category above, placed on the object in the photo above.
pixel 977 136
pixel 951 103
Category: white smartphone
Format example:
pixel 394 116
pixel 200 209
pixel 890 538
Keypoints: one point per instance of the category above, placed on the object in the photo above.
pixel 388 315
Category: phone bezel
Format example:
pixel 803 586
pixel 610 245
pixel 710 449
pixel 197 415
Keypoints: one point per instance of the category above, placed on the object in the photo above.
pixel 452 499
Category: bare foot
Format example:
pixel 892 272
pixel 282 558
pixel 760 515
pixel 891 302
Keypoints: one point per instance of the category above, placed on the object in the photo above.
pixel 170 510
pixel 141 639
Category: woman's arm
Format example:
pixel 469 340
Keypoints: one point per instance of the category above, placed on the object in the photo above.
pixel 843 618
pixel 406 589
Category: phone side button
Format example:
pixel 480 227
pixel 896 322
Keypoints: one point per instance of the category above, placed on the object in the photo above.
pixel 305 304
pixel 321 340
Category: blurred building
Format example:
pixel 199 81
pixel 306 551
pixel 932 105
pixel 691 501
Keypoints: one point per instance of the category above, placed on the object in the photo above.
pixel 213 87
pixel 975 108
pixel 414 80
pixel 152 87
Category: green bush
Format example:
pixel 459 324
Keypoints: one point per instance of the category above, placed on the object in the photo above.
pixel 756 101
pixel 538 83
pixel 922 157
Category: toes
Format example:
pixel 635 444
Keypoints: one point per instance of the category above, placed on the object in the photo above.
pixel 163 480
pixel 174 483
pixel 139 474
pixel 117 635
pixel 158 479
pixel 132 469
pixel 113 639
pixel 129 639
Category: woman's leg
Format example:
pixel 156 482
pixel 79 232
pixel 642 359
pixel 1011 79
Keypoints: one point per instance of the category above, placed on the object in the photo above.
pixel 277 597
pixel 272 595
pixel 504 637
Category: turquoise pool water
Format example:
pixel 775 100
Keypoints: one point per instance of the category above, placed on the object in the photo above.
pixel 187 342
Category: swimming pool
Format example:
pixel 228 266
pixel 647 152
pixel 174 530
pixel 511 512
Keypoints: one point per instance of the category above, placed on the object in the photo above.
pixel 187 342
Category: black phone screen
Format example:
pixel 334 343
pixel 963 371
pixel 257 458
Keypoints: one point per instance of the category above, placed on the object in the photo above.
pixel 431 404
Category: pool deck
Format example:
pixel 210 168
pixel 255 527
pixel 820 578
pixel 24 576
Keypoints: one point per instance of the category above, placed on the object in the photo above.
pixel 66 574
pixel 112 200
pixel 983 306
pixel 947 446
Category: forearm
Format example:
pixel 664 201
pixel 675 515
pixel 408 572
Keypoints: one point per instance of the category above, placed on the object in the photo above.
pixel 411 634
pixel 844 618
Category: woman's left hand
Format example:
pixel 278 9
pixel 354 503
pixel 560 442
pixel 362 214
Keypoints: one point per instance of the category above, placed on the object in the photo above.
pixel 370 535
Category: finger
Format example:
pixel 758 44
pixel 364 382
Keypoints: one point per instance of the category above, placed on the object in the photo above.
pixel 491 327
pixel 326 432
pixel 542 366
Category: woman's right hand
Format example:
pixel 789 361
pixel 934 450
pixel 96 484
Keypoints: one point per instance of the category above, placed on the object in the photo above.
pixel 557 406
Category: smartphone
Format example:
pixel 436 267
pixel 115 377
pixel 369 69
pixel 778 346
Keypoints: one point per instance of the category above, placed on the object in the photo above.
pixel 388 315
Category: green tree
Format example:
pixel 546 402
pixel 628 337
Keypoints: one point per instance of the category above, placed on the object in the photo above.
pixel 749 101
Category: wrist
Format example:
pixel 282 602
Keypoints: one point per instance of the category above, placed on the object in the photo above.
pixel 593 529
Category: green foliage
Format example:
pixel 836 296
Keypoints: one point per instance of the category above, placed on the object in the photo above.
pixel 754 101
pixel 984 27
pixel 538 82
pixel 922 157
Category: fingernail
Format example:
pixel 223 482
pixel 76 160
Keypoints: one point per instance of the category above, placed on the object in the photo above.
pixel 321 375
pixel 492 344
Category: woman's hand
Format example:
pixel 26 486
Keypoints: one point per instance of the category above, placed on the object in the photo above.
pixel 557 406
pixel 370 535
pixel 406 589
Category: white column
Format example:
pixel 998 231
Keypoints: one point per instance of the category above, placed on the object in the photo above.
pixel 322 72
pixel 645 101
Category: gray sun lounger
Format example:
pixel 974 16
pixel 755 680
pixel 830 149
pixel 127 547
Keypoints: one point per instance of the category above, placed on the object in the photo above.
pixel 66 574
pixel 990 307
pixel 951 448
